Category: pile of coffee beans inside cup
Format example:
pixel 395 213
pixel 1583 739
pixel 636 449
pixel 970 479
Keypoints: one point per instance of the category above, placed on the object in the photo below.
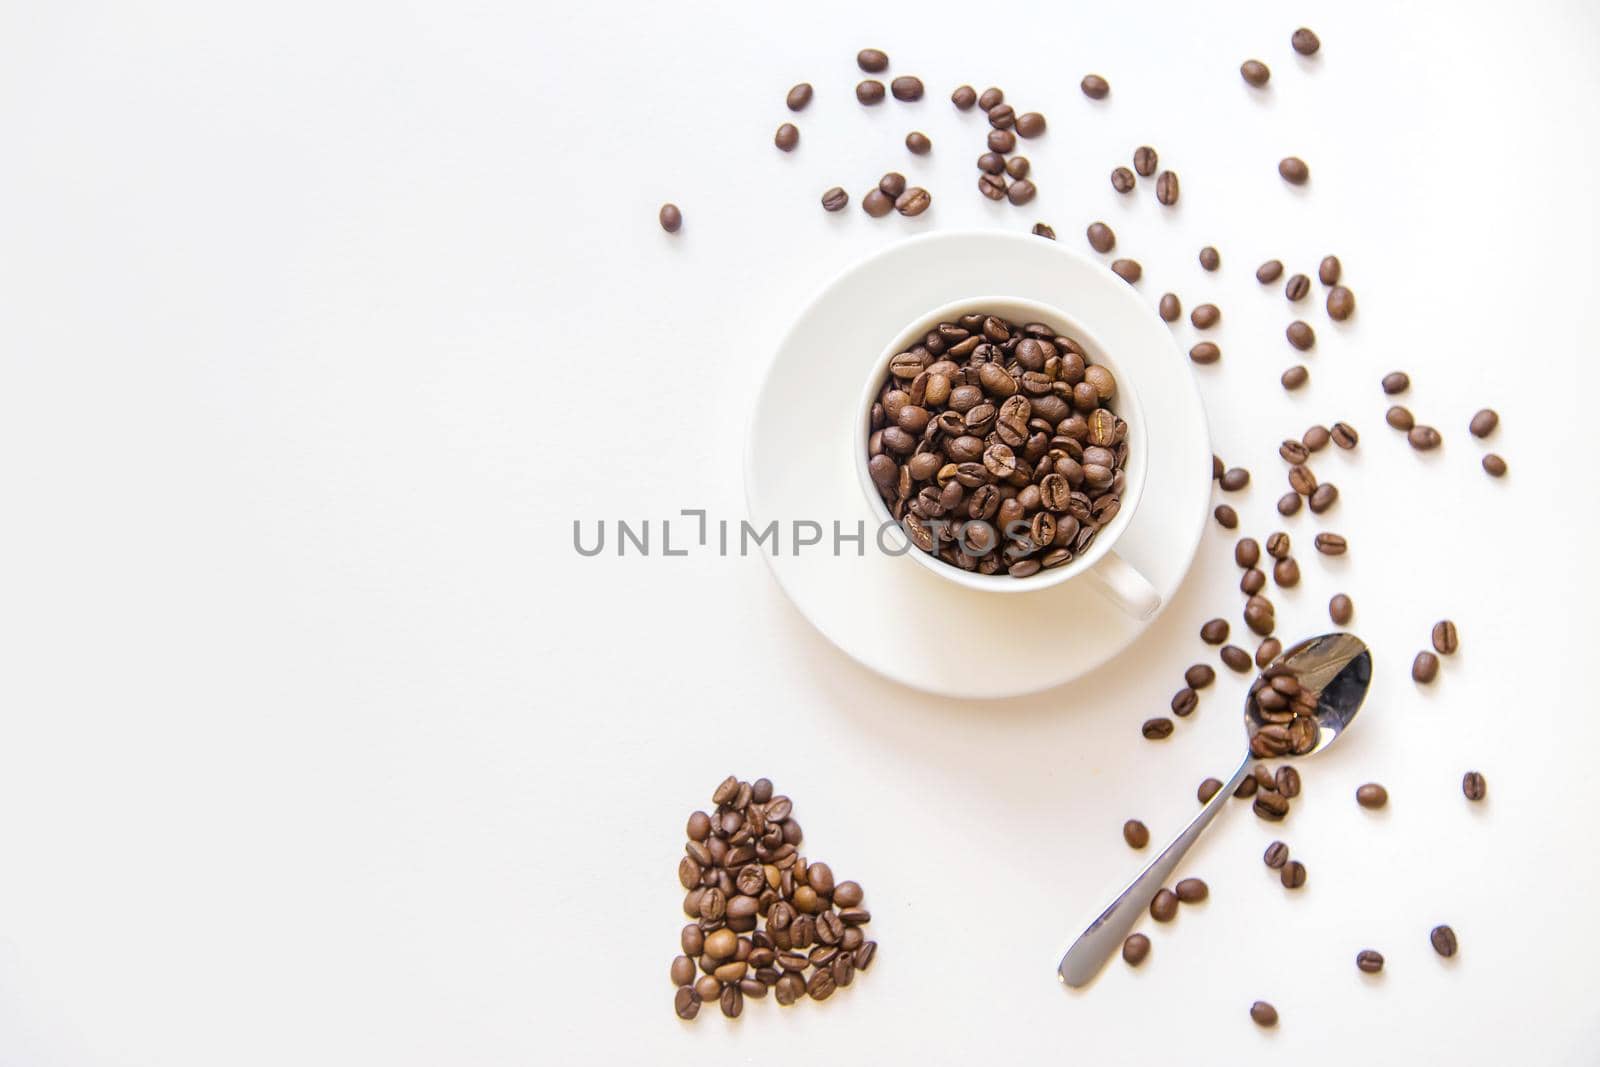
pixel 996 447
pixel 764 918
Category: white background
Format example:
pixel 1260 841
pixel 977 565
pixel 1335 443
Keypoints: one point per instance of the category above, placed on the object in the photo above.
pixel 321 322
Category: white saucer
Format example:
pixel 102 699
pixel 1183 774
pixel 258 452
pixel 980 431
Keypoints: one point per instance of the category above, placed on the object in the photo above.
pixel 799 466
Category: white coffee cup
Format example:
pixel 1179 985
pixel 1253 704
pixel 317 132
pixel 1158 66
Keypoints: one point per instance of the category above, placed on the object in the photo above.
pixel 1118 579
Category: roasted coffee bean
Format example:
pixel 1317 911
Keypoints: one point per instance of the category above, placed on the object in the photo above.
pixel 1001 117
pixel 1473 786
pixel 872 60
pixel 1042 230
pixel 1135 949
pixel 964 97
pixel 1316 438
pixel 1331 544
pixel 1234 479
pixel 1344 435
pixel 870 92
pixel 1018 166
pixel 913 201
pixel 1372 795
pixel 1169 307
pixel 1323 497
pixel 1328 270
pixel 892 183
pixel 1484 422
pixel 1341 303
pixel 864 955
pixel 1269 272
pixel 731 972
pixel 1030 124
pixel 1135 833
pixel 1226 517
pixel 1288 781
pixel 1259 616
pixel 1289 503
pixel 1400 418
pixel 1156 729
pixel 1191 890
pixel 787 137
pixel 732 1001
pixel 1164 907
pixel 1254 72
pixel 906 87
pixel 671 218
pixel 1145 160
pixel 799 96
pixel 1214 632
pixel 1247 787
pixel 1205 353
pixel 1235 658
pixel 820 985
pixel 1293 875
pixel 1443 940
pixel 1494 465
pixel 1247 552
pixel 1199 676
pixel 1340 609
pixel 1002 141
pixel 992 186
pixel 688 872
pixel 1369 961
pixel 686 1002
pixel 1208 789
pixel 1396 382
pixel 991 98
pixel 1101 239
pixel 1127 269
pixel 1445 640
pixel 1020 192
pixel 1205 316
pixel 1293 170
pixel 1297 287
pixel 1425 668
pixel 1295 377
pixel 1300 335
pixel 1210 258
pixel 682 971
pixel 877 204
pixel 1304 41
pixel 1184 701
pixel 1264 1014
pixel 1167 188
pixel 1286 573
pixel 788 989
pixel 1252 581
pixel 1268 651
pixel 848 894
pixel 835 199
pixel 721 944
pixel 692 940
pixel 1278 545
pixel 1122 180
pixel 1094 87
pixel 992 163
pixel 918 143
pixel 1276 855
pixel 1270 806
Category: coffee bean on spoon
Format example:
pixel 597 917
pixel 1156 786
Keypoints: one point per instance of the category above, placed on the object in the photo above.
pixel 1268 651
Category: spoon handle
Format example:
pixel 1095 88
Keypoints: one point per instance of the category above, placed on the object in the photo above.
pixel 1096 944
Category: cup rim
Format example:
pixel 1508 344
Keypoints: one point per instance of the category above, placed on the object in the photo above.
pixel 1128 408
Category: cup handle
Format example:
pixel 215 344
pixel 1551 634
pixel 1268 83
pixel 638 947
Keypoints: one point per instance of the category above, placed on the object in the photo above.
pixel 1131 590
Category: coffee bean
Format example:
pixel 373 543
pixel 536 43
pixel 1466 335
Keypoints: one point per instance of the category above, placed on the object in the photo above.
pixel 787 137
pixel 1331 544
pixel 1424 438
pixel 1199 676
pixel 682 971
pixel 693 940
pixel 671 218
pixel 892 184
pixel 788 989
pixel 992 163
pixel 913 201
pixel 1341 303
pixel 1369 961
pixel 1297 287
pixel 1264 1014
pixel 872 60
pixel 1295 377
pixel 1372 795
pixel 906 87
pixel 699 827
pixel 1445 640
pixel 992 186
pixel 732 1001
pixel 1101 239
pixel 1002 117
pixel 1396 382
pixel 1017 166
pixel 1192 890
pixel 1254 72
pixel 1247 787
pixel 1287 780
pixel 1323 497
pixel 1293 875
pixel 1484 422
pixel 1217 466
pixel 1269 272
pixel 1030 124
pixel 877 204
pixel 1095 87
pixel 1316 438
pixel 1253 581
pixel 1286 573
pixel 870 92
pixel 1300 335
pixel 1235 658
pixel 1127 269
pixel 835 199
pixel 1122 180
pixel 1042 230
pixel 964 97
pixel 1344 435
pixel 686 1002
pixel 1208 789
pixel 1494 465
pixel 1276 855
pixel 1135 833
pixel 1205 316
pixel 1289 503
pixel 1167 188
pixel 991 98
pixel 1304 41
pixel 1473 786
pixel 1293 452
pixel 1002 141
pixel 1259 616
pixel 1135 949
pixel 1293 170
pixel 1278 545
pixel 1400 418
pixel 1210 258
pixel 1214 632
pixel 1425 668
pixel 1021 191
pixel 799 96
pixel 1234 479
pixel 1226 517
pixel 820 985
pixel 1205 353
pixel 1328 270
pixel 918 144
pixel 1184 701
pixel 1247 552
pixel 1145 160
pixel 865 954
pixel 1340 609
pixel 1443 940
pixel 1268 651
pixel 1164 906
pixel 1156 729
